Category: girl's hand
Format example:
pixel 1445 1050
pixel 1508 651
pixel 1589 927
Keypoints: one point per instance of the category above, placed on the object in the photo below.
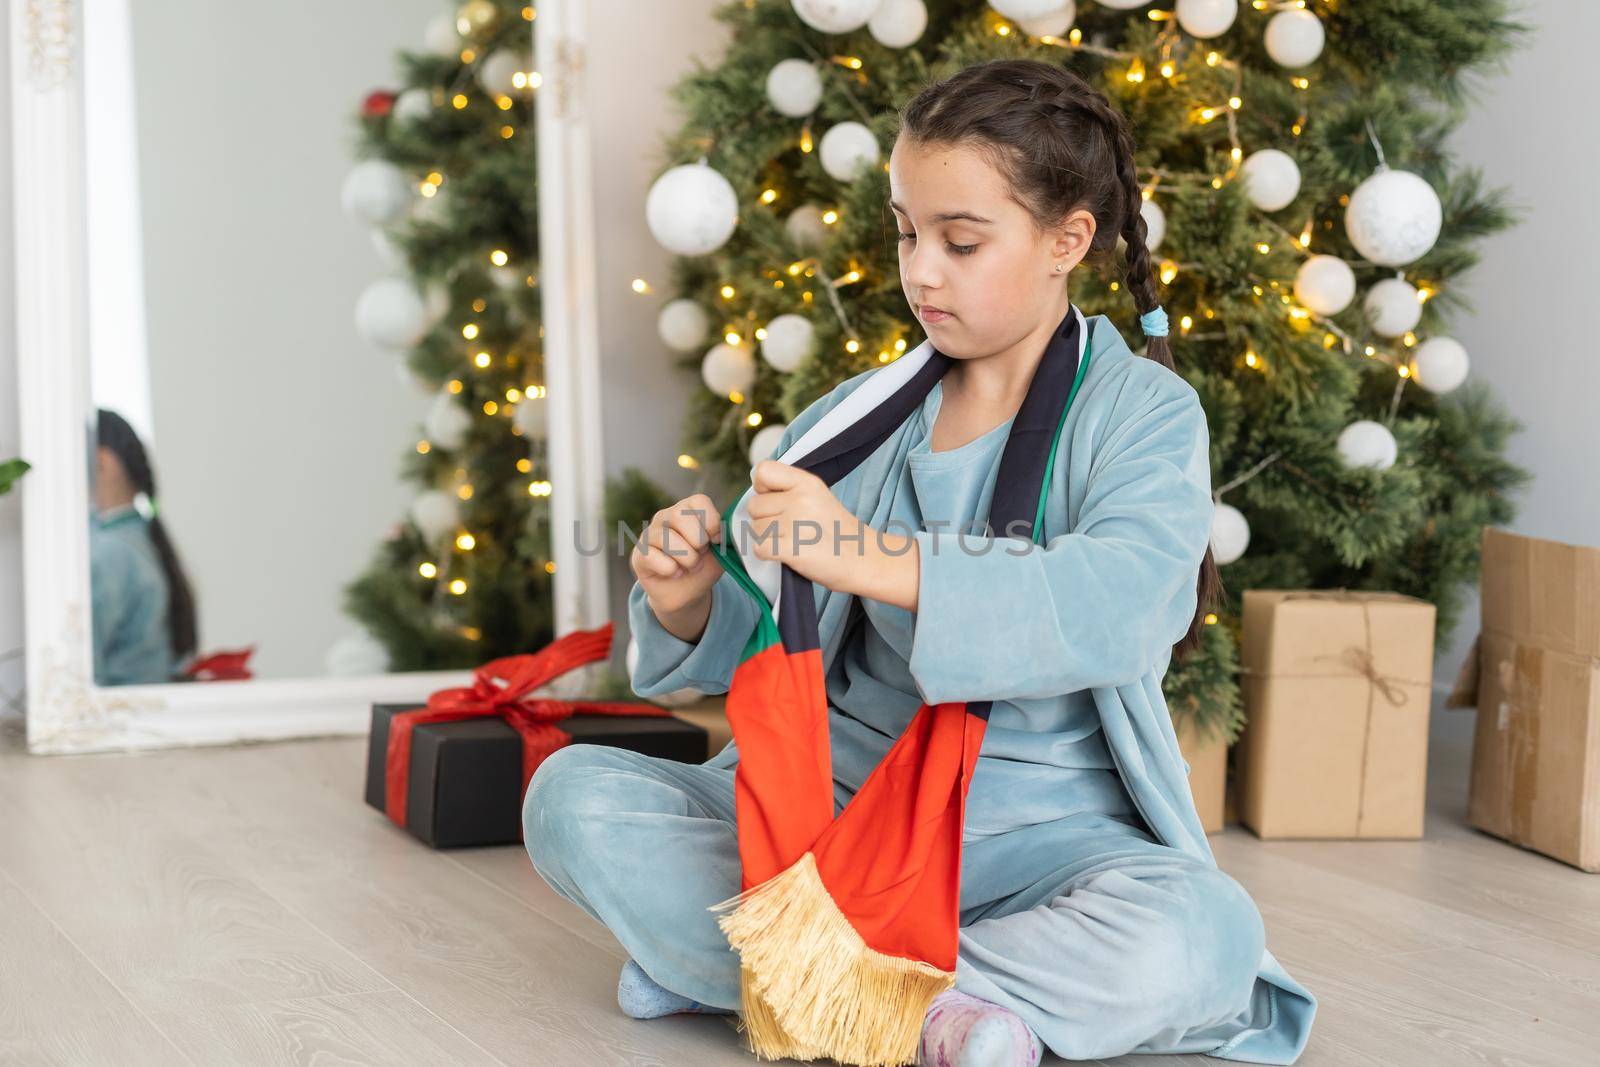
pixel 795 518
pixel 674 562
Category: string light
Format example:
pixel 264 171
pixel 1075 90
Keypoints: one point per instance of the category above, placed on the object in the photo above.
pixel 482 359
pixel 499 257
pixel 466 542
pixel 688 462
pixel 470 330
pixel 454 386
pixel 459 100
pixel 423 448
pixel 427 569
pixel 458 586
pixel 640 285
pixel 753 419
pixel 728 292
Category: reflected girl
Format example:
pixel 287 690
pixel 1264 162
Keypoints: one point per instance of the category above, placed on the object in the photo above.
pixel 143 606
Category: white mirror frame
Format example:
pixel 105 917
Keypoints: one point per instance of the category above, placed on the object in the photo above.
pixel 66 711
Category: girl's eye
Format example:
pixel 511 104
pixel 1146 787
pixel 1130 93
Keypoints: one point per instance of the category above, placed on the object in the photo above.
pixel 960 250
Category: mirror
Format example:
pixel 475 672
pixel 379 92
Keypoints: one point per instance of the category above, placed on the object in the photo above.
pixel 289 277
pixel 270 367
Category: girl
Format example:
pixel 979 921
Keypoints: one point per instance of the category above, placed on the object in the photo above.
pixel 1094 920
pixel 143 608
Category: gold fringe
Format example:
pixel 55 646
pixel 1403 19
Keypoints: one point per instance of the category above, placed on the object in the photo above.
pixel 810 986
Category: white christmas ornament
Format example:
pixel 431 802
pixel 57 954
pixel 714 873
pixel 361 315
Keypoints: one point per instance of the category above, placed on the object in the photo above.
pixel 447 422
pixel 435 514
pixel 728 369
pixel 1367 444
pixel 411 106
pixel 1439 364
pixel 531 415
pixel 683 325
pixel 794 87
pixel 1053 23
pixel 1207 18
pixel 1122 5
pixel 375 192
pixel 848 149
pixel 1294 38
pixel 898 23
pixel 789 340
pixel 765 442
pixel 1393 218
pixel 355 655
pixel 390 314
pixel 414 381
pixel 675 699
pixel 497 73
pixel 806 228
pixel 1271 178
pixel 692 210
pixel 436 302
pixel 1155 224
pixel 506 277
pixel 1392 307
pixel 835 16
pixel 1325 284
pixel 441 37
pixel 1018 10
pixel 1230 534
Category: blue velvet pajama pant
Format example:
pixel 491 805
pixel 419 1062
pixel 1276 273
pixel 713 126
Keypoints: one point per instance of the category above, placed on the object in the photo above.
pixel 1102 939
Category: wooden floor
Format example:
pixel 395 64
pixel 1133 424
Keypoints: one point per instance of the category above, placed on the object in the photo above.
pixel 242 905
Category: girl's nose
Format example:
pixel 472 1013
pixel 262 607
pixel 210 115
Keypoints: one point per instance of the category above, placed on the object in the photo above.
pixel 921 271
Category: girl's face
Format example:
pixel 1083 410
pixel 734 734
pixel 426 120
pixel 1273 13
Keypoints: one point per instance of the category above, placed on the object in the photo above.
pixel 977 272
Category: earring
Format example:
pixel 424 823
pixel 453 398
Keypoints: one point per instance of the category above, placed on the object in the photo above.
pixel 1058 266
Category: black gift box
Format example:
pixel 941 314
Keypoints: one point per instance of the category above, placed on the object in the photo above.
pixel 465 783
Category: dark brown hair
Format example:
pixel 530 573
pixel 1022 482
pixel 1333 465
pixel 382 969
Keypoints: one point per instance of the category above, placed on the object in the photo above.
pixel 1061 146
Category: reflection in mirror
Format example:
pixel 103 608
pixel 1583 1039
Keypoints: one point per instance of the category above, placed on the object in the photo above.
pixel 315 335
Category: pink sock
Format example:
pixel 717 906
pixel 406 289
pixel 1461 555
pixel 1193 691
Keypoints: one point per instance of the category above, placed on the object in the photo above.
pixel 961 1030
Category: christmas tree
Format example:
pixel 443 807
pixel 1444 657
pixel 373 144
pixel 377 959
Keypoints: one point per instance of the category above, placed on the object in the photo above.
pixel 447 182
pixel 1311 227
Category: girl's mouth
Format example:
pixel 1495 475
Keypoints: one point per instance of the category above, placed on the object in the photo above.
pixel 932 314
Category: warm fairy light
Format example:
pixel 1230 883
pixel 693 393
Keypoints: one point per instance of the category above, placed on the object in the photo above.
pixel 1409 339
pixel 467 54
pixel 805 139
pixel 1211 618
pixel 535 79
pixel 1257 290
pixel 1237 154
pixel 459 100
pixel 1213 58
pixel 852 346
pixel 736 397
pixel 1405 371
pixel 1115 286
pixel 1250 357
pixel 848 61
pixel 1168 69
pixel 427 189
pixel 1305 235
pixel 1424 294
pixel 769 195
pixel 900 345
pixel 1207 114
pixel 761 333
pixel 884 357
pixel 1300 83
pixel 466 542
pixel 482 359
pixel 471 633
pixel 455 385
pixel 490 407
pixel 1371 351
pixel 519 80
pixel 549 566
pixel 1235 102
pixel 753 419
pixel 1186 323
pixel 1216 183
pixel 1169 271
pixel 539 488
pixel 527 14
pixel 499 257
pixel 458 586
pixel 830 217
pixel 479 304
pixel 1299 313
pixel 535 392
pixel 1329 340
pixel 464 492
pixel 688 462
pixel 513 395
pixel 470 330
pixel 1263 248
pixel 640 285
pixel 1076 36
pixel 423 448
pixel 853 276
pixel 506 132
pixel 1136 71
pixel 732 338
pixel 504 102
pixel 795 269
pixel 728 292
pixel 426 569
pixel 1002 30
pixel 1295 129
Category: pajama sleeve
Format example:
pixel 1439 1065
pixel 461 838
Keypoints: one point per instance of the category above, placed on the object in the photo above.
pixel 1099 606
pixel 666 663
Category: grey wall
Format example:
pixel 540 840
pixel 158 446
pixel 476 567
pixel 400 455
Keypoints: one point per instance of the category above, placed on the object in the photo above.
pixel 1531 286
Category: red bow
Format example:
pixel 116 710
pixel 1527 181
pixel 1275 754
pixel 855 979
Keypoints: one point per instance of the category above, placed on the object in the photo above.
pixel 500 688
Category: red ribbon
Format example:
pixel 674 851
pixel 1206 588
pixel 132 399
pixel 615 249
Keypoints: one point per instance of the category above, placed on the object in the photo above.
pixel 499 688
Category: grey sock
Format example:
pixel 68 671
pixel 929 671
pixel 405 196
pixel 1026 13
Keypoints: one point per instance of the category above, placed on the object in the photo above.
pixel 641 997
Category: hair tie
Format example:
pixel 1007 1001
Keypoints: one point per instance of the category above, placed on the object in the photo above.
pixel 1154 322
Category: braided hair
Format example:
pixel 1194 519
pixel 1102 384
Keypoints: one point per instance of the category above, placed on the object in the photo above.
pixel 113 432
pixel 1061 146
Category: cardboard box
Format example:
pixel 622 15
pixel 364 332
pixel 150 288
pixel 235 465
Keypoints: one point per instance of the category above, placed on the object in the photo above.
pixel 1337 687
pixel 465 782
pixel 1535 680
pixel 1208 771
